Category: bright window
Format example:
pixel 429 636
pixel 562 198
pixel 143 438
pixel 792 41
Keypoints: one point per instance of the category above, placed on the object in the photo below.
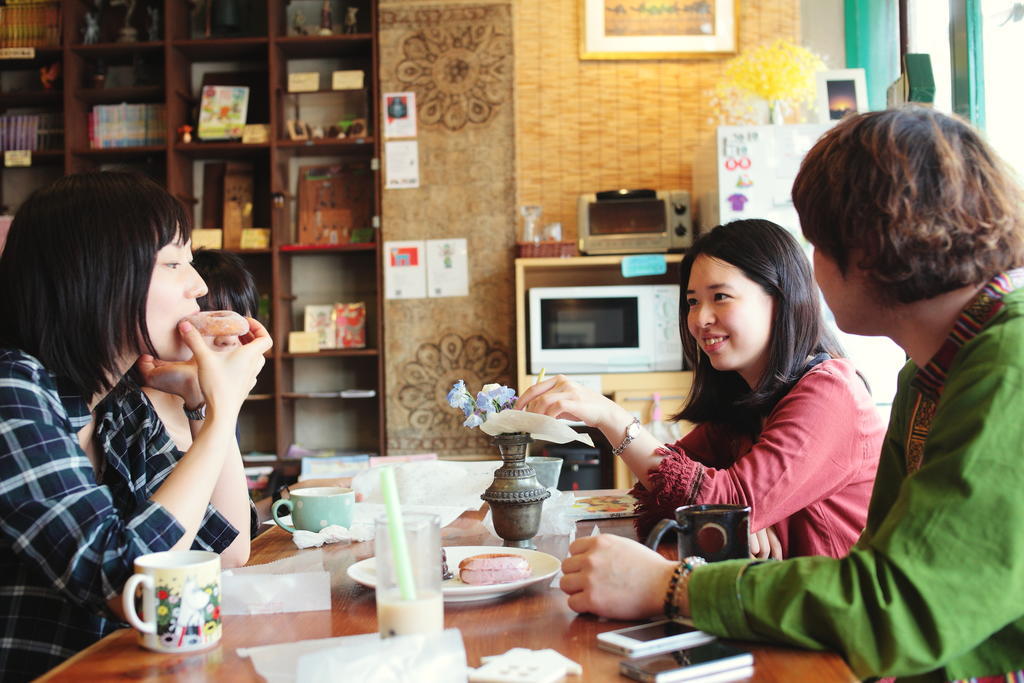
pixel 1002 30
pixel 928 33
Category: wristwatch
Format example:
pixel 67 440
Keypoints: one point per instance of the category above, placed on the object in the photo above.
pixel 632 430
pixel 197 414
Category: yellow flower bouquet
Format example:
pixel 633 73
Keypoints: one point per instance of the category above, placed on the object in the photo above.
pixel 780 74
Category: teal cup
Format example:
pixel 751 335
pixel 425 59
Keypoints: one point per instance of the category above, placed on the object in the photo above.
pixel 315 508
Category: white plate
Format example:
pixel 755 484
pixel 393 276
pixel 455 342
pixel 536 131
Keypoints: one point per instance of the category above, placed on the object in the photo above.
pixel 542 565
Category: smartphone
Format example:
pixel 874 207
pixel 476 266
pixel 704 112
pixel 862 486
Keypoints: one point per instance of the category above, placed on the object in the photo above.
pixel 714 661
pixel 648 639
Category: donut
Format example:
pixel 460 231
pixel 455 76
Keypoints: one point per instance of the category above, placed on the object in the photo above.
pixel 219 323
pixel 491 568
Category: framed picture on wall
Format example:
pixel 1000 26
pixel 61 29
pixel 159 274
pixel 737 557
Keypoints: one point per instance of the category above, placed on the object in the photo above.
pixel 620 29
pixel 841 92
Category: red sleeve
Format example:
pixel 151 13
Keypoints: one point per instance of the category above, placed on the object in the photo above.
pixel 676 480
pixel 802 455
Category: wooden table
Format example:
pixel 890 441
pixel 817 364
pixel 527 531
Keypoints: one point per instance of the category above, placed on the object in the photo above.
pixel 536 617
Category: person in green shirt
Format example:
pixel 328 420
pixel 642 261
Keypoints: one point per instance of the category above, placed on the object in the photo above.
pixel 917 228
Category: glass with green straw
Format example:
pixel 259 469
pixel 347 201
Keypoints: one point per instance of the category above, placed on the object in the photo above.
pixel 408 567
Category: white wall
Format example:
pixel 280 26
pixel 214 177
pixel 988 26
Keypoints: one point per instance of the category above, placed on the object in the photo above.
pixel 823 30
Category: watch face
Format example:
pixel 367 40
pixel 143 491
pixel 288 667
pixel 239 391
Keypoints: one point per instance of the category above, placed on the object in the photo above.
pixel 633 429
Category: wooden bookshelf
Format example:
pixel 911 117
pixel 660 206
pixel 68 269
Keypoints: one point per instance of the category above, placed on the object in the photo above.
pixel 285 406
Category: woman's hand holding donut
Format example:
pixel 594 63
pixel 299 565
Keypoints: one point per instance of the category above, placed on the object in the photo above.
pixel 171 377
pixel 226 377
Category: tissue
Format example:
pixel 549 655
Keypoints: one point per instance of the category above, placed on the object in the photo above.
pixel 292 584
pixel 438 658
pixel 540 427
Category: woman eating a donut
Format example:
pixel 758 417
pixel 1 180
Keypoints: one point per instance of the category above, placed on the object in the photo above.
pixel 95 273
pixel 230 294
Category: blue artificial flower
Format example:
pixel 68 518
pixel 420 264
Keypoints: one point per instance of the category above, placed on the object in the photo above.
pixel 493 398
pixel 459 397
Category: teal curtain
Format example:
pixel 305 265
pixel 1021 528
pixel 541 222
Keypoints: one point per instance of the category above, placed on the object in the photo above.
pixel 968 65
pixel 873 44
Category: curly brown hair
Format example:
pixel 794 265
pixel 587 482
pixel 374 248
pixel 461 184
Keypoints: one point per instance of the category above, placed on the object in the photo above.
pixel 917 197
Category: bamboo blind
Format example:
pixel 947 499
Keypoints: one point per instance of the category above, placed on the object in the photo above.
pixel 583 126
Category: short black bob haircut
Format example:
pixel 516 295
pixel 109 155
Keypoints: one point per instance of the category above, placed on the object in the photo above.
pixel 772 258
pixel 76 270
pixel 230 286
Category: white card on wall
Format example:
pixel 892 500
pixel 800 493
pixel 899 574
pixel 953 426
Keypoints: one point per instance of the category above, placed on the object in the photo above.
pixel 447 267
pixel 405 270
pixel 399 115
pixel 402 159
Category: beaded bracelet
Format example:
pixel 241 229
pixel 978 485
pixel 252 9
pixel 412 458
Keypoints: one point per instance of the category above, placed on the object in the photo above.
pixel 679 582
pixel 671 608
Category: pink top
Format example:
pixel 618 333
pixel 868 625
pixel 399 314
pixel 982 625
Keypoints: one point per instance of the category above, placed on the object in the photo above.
pixel 809 474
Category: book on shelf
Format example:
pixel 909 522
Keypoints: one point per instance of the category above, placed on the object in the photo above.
pixel 257 456
pixel 126 125
pixel 257 478
pixel 33 132
pixel 222 112
pixel 30 24
pixel 319 319
pixel 349 325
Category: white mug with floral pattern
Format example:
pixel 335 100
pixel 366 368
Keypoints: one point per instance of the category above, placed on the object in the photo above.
pixel 180 600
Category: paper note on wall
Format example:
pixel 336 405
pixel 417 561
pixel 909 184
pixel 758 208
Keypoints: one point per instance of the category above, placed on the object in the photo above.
pixel 402 161
pixel 405 270
pixel 399 115
pixel 447 268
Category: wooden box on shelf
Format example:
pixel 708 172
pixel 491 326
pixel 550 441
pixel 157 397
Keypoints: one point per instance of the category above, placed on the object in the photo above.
pixel 334 203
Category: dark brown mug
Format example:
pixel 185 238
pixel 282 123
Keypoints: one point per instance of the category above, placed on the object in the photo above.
pixel 714 532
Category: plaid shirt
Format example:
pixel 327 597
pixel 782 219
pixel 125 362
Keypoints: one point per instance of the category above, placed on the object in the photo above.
pixel 68 542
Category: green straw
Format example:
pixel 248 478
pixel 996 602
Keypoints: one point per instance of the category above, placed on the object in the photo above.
pixel 396 532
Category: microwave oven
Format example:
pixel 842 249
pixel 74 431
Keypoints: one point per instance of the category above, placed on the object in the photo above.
pixel 621 328
pixel 634 221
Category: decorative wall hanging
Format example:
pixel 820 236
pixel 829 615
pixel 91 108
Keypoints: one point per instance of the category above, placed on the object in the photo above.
pixel 460 68
pixel 621 29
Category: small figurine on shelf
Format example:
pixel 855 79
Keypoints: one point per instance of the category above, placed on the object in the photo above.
pixel 153 23
pixel 356 128
pixel 91 30
pixel 185 133
pixel 48 75
pixel 128 33
pixel 299 23
pixel 350 19
pixel 326 24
